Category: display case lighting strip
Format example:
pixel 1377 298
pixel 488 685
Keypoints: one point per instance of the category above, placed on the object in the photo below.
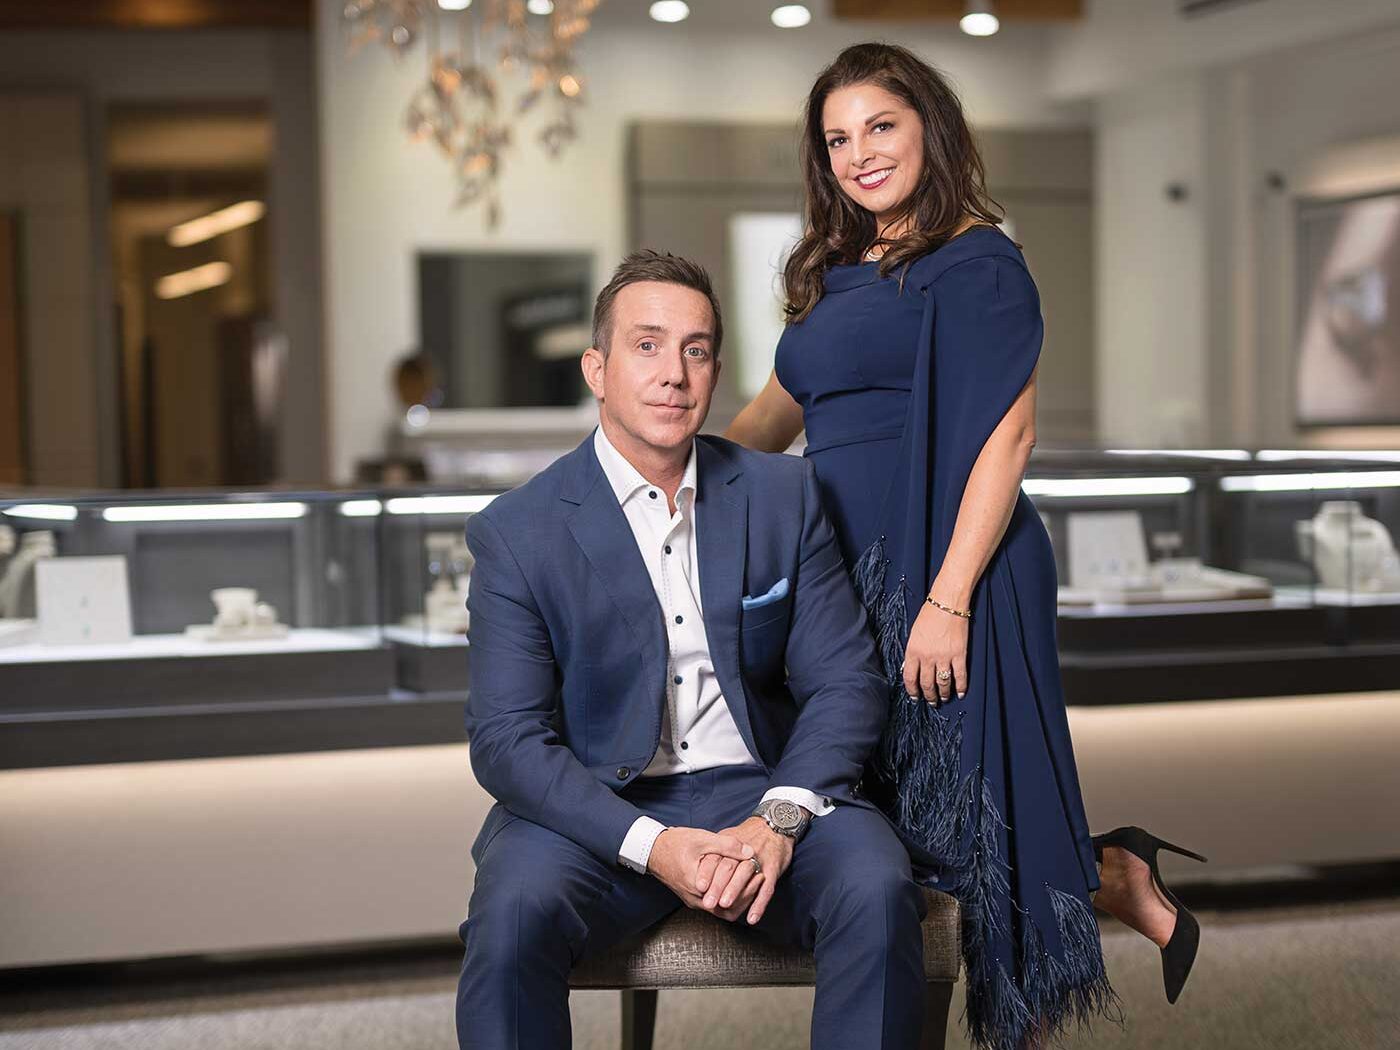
pixel 438 504
pixel 1186 453
pixel 44 511
pixel 206 512
pixel 1373 454
pixel 1090 487
pixel 362 508
pixel 1364 479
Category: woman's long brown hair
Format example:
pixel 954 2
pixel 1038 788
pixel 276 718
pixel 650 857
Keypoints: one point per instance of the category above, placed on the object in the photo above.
pixel 952 185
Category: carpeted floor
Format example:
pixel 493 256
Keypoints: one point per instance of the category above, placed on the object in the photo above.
pixel 1310 976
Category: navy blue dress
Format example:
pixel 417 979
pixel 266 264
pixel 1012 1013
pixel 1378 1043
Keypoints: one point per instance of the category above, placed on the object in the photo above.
pixel 901 383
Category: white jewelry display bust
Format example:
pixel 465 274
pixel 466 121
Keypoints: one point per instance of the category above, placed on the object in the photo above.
pixel 17 573
pixel 1349 551
pixel 445 602
pixel 240 617
pixel 13 631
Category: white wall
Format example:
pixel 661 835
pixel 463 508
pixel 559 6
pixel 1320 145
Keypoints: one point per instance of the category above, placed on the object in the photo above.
pixel 1149 369
pixel 1196 300
pixel 385 198
pixel 1121 43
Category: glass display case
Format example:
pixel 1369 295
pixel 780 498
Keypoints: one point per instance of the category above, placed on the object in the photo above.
pixel 1223 572
pixel 1185 532
pixel 172 624
pixel 186 575
pixel 144 625
pixel 425 571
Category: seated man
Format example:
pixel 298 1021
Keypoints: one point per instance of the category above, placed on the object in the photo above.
pixel 673 693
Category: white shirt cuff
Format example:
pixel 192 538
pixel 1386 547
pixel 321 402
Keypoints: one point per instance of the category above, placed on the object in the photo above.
pixel 819 805
pixel 636 845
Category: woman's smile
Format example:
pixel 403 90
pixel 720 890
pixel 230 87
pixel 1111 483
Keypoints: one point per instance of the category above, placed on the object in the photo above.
pixel 874 179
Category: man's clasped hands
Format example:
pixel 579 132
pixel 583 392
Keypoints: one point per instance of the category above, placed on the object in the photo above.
pixel 714 871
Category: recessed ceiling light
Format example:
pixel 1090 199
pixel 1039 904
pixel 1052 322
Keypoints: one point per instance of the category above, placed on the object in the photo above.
pixel 197 279
pixel 454 5
pixel 212 225
pixel 670 10
pixel 540 7
pixel 980 19
pixel 791 16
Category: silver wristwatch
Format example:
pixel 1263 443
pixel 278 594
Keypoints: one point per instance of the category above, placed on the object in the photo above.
pixel 784 817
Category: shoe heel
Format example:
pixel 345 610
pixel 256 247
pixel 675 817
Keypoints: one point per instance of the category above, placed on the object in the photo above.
pixel 1164 844
pixel 1140 843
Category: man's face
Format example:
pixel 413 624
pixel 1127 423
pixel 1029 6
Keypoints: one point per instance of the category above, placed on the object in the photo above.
pixel 655 383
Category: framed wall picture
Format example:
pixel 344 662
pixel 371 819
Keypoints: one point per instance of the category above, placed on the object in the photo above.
pixel 1347 364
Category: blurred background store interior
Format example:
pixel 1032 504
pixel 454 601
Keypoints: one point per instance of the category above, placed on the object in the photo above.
pixel 284 298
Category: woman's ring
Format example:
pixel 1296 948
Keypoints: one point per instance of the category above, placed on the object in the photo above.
pixel 944 676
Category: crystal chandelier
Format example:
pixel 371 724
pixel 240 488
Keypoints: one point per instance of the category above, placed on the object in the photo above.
pixel 471 49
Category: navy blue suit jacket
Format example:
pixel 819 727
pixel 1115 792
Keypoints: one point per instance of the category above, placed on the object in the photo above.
pixel 568 645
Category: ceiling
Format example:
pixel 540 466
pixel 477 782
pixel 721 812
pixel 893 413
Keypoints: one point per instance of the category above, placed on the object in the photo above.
pixel 154 14
pixel 952 10
pixel 735 14
pixel 704 14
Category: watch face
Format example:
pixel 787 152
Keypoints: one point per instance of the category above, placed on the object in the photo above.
pixel 785 814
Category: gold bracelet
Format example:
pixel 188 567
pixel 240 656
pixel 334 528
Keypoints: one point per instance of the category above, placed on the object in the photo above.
pixel 949 608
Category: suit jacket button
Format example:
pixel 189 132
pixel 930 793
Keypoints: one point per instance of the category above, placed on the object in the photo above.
pixel 623 772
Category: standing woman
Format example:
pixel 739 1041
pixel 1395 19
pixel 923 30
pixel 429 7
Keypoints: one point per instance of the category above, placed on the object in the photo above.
pixel 910 359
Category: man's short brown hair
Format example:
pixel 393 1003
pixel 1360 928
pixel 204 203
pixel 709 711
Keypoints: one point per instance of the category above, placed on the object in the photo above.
pixel 648 265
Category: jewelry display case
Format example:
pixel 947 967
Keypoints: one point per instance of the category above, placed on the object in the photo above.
pixel 144 625
pixel 425 572
pixel 160 625
pixel 1223 573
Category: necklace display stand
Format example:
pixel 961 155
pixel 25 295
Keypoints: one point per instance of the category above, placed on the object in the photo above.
pixel 17 581
pixel 445 602
pixel 1348 551
pixel 240 618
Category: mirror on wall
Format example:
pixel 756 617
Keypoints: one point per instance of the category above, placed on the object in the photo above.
pixel 505 330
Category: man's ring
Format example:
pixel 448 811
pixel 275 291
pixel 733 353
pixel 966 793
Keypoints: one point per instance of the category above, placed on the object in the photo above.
pixel 943 676
pixel 757 867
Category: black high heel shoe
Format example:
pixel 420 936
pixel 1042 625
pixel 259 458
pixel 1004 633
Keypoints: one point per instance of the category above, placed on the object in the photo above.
pixel 1180 951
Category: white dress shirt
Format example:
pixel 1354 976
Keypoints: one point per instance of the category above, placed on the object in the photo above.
pixel 697 729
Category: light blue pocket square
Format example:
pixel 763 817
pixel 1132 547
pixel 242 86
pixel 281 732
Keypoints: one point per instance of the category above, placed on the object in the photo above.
pixel 776 593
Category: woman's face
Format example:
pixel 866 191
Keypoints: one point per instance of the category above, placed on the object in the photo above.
pixel 875 145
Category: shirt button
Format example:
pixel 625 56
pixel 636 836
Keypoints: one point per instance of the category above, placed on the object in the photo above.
pixel 623 772
pixel 684 745
pixel 677 679
pixel 652 494
pixel 668 548
pixel 680 619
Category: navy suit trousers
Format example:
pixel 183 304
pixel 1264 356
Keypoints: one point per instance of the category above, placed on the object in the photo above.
pixel 541 902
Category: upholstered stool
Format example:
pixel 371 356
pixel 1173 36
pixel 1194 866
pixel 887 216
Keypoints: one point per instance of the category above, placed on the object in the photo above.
pixel 691 949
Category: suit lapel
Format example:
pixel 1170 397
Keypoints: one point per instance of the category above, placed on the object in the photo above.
pixel 601 530
pixel 721 522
